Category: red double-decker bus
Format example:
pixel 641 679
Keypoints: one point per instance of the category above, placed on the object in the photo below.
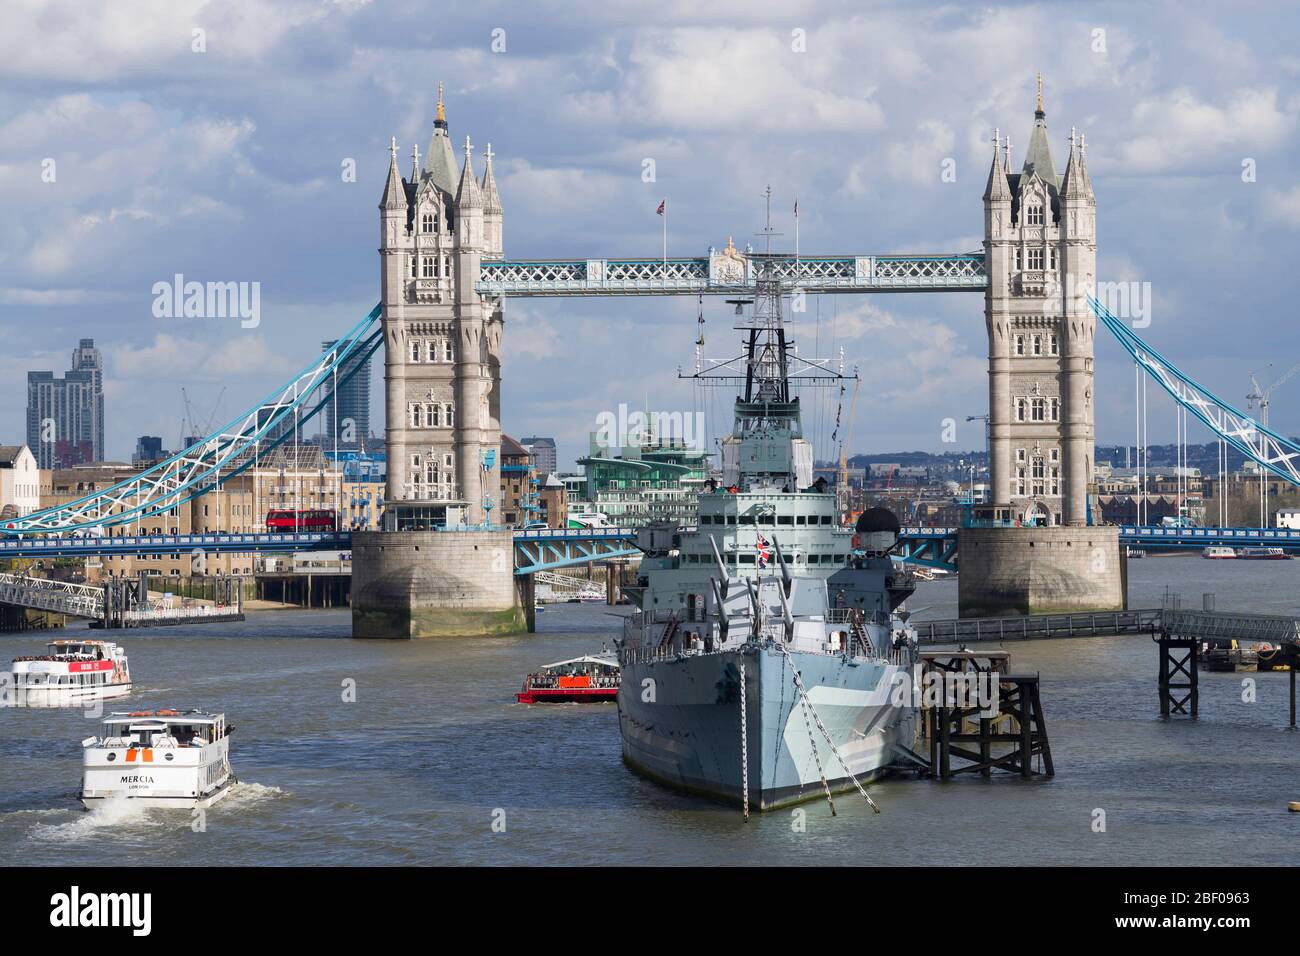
pixel 301 520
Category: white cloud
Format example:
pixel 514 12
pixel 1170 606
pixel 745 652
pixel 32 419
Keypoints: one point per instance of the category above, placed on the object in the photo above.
pixel 920 159
pixel 747 79
pixel 67 40
pixel 239 357
pixel 1283 206
pixel 1179 129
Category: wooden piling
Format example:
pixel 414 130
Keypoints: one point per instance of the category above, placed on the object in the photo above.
pixel 1179 676
pixel 1008 739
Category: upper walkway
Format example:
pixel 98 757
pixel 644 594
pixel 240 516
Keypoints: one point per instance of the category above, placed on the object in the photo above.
pixel 720 274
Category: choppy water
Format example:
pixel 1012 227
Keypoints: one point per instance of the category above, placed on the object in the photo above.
pixel 434 747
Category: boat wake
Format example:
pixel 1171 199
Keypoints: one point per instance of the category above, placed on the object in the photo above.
pixel 110 815
pixel 247 796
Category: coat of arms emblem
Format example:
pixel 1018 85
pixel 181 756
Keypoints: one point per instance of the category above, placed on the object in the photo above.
pixel 727 267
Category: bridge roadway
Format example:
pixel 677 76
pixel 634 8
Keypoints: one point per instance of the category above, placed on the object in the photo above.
pixel 937 547
pixel 545 549
pixel 541 549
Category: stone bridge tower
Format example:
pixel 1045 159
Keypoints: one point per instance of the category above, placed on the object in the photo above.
pixel 1041 254
pixel 442 340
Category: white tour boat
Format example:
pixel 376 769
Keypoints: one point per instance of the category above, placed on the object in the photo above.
pixel 162 758
pixel 71 674
pixel 1218 552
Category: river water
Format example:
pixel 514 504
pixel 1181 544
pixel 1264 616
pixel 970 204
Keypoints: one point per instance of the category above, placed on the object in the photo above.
pixel 434 750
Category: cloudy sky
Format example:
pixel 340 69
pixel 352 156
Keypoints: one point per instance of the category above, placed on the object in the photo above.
pixel 226 164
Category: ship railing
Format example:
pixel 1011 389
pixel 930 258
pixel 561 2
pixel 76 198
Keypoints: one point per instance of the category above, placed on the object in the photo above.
pixel 553 683
pixel 643 641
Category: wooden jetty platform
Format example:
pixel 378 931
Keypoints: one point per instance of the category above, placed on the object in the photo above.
pixel 982 738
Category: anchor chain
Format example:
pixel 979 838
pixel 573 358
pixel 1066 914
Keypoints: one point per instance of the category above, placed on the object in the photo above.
pixel 744 745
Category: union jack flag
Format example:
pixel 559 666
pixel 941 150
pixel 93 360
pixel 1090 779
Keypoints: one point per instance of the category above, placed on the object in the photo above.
pixel 764 551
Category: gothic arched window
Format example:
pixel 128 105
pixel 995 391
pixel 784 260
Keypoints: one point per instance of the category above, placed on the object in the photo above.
pixel 426 221
pixel 1034 215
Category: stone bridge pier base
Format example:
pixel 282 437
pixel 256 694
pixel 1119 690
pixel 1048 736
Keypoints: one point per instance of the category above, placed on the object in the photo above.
pixel 1005 571
pixel 409 584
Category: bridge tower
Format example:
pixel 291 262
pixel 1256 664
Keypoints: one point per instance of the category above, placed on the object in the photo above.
pixel 434 570
pixel 442 340
pixel 1038 553
pixel 1041 255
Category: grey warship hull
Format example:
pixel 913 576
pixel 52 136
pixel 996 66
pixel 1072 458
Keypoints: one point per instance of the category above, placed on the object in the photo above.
pixel 680 721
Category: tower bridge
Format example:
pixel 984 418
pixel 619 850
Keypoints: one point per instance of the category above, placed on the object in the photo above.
pixel 444 280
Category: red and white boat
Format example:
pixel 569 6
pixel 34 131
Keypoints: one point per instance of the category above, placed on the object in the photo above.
pixel 582 680
pixel 1263 554
pixel 73 673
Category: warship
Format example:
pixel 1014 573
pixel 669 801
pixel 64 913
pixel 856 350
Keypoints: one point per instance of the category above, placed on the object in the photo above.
pixel 768 659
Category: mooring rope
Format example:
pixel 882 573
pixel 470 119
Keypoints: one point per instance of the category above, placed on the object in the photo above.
pixel 812 741
pixel 803 693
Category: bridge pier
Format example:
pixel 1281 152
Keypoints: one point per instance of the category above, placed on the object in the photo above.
pixel 526 585
pixel 1040 571
pixel 412 584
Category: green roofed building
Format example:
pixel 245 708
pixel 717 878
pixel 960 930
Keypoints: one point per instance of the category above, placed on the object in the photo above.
pixel 657 480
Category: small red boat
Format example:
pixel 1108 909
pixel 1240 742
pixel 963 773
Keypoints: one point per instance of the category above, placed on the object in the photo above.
pixel 583 680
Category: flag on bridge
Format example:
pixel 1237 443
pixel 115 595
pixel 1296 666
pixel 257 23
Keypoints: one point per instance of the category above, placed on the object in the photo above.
pixel 660 210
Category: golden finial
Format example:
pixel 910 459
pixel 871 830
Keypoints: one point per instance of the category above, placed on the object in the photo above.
pixel 441 117
pixel 730 250
pixel 1040 92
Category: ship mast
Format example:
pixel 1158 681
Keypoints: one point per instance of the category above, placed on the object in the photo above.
pixel 765 376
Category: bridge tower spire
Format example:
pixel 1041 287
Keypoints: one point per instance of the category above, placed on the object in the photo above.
pixel 1040 253
pixel 442 342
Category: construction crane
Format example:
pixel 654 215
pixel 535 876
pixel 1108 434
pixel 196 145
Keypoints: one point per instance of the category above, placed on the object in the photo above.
pixel 195 427
pixel 1260 396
